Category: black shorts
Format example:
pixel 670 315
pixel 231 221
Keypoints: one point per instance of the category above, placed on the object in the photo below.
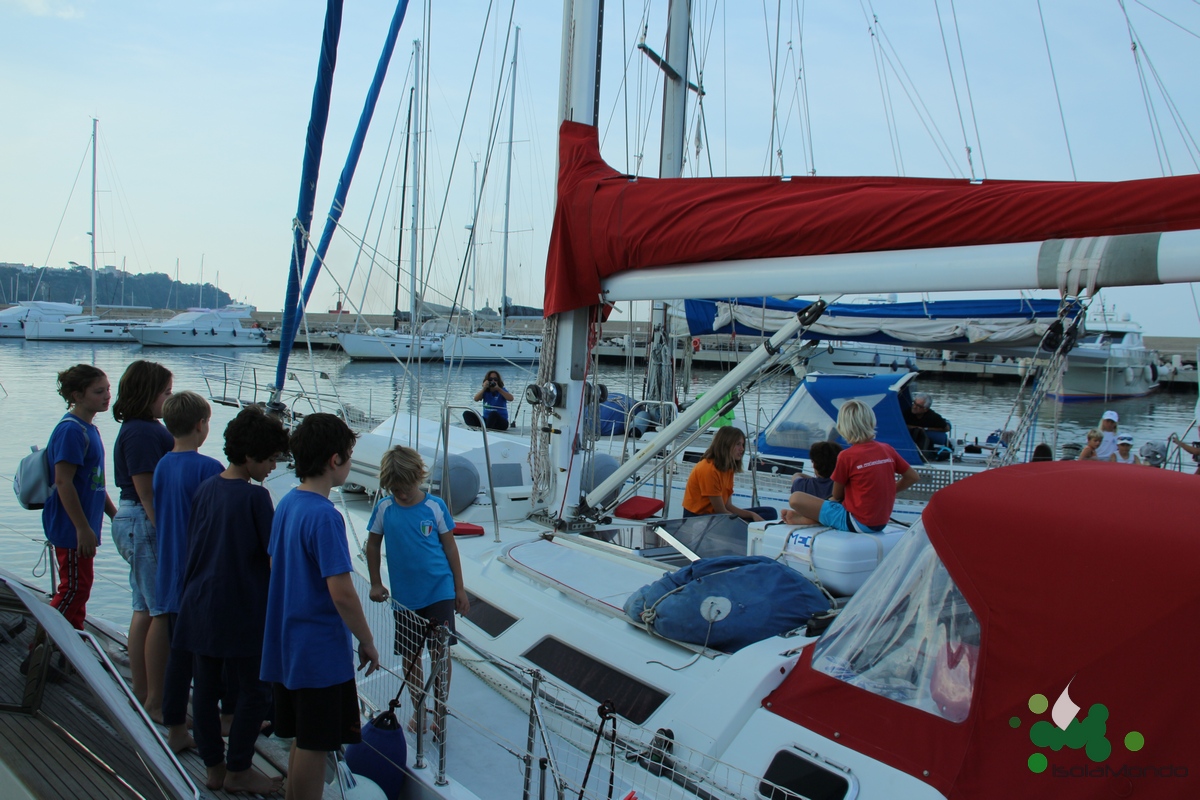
pixel 319 719
pixel 412 627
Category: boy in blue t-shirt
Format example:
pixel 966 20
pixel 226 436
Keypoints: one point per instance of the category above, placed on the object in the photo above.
pixel 78 502
pixel 176 478
pixel 313 608
pixel 423 568
pixel 224 600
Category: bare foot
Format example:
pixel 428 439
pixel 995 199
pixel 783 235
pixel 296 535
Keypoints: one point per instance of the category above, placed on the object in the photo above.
pixel 226 723
pixel 178 739
pixel 215 776
pixel 251 782
pixel 792 517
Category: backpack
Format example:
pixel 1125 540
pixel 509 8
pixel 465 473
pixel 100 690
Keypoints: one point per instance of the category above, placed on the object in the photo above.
pixel 34 479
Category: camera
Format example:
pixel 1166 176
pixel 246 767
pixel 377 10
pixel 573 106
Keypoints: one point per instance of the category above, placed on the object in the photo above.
pixel 492 383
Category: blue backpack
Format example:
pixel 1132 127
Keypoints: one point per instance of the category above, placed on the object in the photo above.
pixel 34 479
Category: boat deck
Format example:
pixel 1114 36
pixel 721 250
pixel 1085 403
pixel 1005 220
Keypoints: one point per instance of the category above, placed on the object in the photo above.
pixel 64 744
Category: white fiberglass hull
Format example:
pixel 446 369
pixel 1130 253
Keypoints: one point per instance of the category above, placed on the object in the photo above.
pixel 44 330
pixel 492 347
pixel 161 336
pixel 389 346
pixel 1094 374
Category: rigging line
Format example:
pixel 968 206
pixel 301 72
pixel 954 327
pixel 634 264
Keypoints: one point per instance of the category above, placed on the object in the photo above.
pixel 962 125
pixel 1188 31
pixel 428 265
pixel 810 160
pixel 371 210
pixel 1172 108
pixel 1054 79
pixel 906 81
pixel 725 88
pixel 967 83
pixel 493 136
pixel 942 149
pixel 884 96
pixel 624 77
pixel 58 228
pixel 773 67
pixel 1151 116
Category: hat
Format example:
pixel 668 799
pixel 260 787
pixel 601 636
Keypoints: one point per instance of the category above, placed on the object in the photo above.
pixel 1125 438
pixel 1110 415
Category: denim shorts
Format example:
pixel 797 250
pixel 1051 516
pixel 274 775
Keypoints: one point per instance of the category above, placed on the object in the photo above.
pixel 138 544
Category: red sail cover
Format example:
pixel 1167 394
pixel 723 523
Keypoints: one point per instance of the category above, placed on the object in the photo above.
pixel 1081 573
pixel 606 222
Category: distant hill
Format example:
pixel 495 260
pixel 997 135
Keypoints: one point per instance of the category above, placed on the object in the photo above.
pixel 113 287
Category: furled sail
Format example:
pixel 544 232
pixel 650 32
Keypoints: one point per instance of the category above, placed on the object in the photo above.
pixel 607 223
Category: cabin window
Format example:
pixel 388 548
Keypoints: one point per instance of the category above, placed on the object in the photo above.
pixel 793 777
pixel 634 700
pixel 800 423
pixel 488 618
pixel 907 635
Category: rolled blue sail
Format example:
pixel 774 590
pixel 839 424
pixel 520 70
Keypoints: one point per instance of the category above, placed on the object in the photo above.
pixel 314 142
pixel 293 310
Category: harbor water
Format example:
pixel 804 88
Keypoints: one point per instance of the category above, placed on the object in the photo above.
pixel 30 407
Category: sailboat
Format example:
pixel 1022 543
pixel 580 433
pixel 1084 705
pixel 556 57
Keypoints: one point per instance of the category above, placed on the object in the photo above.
pixel 382 344
pixel 82 327
pixel 486 346
pixel 980 635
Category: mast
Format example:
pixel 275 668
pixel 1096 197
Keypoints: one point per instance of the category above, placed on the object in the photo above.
pixel 400 211
pixel 512 106
pixel 92 232
pixel 416 183
pixel 472 240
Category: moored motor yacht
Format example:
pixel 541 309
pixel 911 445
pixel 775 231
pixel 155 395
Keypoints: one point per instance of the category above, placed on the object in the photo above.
pixel 204 327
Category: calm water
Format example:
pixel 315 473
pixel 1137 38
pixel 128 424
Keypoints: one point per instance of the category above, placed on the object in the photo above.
pixel 31 407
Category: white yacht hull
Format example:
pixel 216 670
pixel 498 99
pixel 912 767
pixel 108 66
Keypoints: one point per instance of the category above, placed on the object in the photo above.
pixel 44 330
pixel 388 346
pixel 161 336
pixel 492 347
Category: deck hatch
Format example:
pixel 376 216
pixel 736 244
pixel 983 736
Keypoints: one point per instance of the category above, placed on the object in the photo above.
pixel 634 700
pixel 487 617
pixel 792 777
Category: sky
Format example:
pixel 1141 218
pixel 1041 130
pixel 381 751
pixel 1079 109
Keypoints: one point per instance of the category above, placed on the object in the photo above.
pixel 202 112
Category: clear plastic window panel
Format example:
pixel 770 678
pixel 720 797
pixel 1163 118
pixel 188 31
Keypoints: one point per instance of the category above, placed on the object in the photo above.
pixel 800 424
pixel 907 635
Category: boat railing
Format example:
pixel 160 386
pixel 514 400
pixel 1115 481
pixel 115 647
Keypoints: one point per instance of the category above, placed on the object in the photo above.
pixel 245 382
pixel 487 457
pixel 562 743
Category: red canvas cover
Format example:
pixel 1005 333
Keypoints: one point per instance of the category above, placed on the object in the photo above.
pixel 1079 572
pixel 606 222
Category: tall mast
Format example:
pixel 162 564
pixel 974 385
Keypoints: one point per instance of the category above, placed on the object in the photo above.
pixel 512 105
pixel 416 183
pixel 92 232
pixel 474 241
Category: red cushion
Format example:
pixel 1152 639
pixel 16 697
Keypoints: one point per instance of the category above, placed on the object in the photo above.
pixel 467 529
pixel 639 507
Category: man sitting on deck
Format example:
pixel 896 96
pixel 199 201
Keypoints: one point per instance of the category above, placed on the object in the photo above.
pixel 928 428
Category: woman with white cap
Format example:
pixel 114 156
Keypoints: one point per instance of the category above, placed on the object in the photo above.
pixel 1108 434
pixel 1125 454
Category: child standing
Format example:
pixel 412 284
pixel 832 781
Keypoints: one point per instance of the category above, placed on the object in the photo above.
pixel 178 474
pixel 1108 433
pixel 78 502
pixel 864 486
pixel 1125 454
pixel 223 606
pixel 423 565
pixel 1089 451
pixel 313 608
pixel 141 442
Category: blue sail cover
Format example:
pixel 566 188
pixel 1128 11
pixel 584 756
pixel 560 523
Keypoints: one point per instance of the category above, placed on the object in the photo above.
pixel 294 306
pixel 314 143
pixel 810 414
pixel 702 317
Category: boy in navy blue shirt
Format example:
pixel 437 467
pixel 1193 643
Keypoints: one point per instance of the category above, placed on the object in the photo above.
pixel 313 608
pixel 176 478
pixel 224 602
